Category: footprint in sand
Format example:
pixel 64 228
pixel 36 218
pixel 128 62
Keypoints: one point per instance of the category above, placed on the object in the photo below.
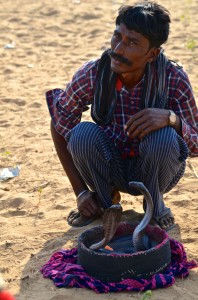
pixel 14 213
pixel 181 203
pixel 5 123
pixel 188 240
pixel 60 297
pixel 35 105
pixel 50 12
pixel 19 102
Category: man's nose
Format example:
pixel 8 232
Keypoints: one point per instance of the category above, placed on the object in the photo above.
pixel 119 48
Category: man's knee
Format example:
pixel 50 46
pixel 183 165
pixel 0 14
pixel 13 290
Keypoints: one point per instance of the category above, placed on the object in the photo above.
pixel 82 138
pixel 160 143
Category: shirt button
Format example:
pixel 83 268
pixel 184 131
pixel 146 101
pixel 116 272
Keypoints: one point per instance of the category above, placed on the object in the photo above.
pixel 132 102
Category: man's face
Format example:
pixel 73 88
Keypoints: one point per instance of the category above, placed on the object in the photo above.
pixel 133 47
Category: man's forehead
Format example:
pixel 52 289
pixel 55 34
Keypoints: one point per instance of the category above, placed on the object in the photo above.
pixel 131 33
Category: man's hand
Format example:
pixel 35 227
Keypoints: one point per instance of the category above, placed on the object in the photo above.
pixel 88 206
pixel 146 121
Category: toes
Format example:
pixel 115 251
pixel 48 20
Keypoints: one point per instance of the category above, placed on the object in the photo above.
pixel 167 223
pixel 72 212
pixel 81 221
pixel 78 221
pixel 72 216
pixel 164 224
pixel 75 219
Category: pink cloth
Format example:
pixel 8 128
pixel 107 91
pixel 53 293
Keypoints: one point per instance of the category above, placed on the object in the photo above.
pixel 63 269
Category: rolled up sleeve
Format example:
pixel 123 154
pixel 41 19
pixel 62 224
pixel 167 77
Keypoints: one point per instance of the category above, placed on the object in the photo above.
pixel 185 107
pixel 66 107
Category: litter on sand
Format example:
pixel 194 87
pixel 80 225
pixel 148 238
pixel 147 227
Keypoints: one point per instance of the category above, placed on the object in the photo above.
pixel 7 173
pixel 10 46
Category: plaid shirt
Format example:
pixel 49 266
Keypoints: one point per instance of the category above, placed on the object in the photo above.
pixel 66 107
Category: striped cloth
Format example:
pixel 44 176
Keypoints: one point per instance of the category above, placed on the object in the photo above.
pixel 63 269
pixel 154 94
pixel 160 165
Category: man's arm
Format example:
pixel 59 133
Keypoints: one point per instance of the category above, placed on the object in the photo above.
pixel 148 120
pixel 182 102
pixel 66 160
pixel 85 203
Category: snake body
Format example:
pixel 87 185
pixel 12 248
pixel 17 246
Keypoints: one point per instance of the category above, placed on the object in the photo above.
pixel 138 233
pixel 112 217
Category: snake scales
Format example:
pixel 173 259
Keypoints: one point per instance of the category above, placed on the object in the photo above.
pixel 112 217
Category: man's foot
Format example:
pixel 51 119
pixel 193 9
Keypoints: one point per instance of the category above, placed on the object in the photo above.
pixel 75 219
pixel 166 222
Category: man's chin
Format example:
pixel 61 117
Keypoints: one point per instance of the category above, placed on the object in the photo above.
pixel 116 69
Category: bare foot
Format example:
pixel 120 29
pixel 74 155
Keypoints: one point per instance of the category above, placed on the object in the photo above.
pixel 166 222
pixel 75 219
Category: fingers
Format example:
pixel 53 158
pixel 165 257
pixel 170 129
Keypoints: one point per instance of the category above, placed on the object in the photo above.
pixel 134 121
pixel 136 124
pixel 142 131
pixel 139 128
pixel 146 121
pixel 89 208
pixel 85 211
pixel 86 205
pixel 89 211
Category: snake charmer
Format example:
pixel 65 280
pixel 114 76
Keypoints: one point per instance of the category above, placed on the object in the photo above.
pixel 143 119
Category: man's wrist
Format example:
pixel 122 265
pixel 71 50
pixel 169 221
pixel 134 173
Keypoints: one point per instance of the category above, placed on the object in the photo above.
pixel 172 118
pixel 175 123
pixel 81 193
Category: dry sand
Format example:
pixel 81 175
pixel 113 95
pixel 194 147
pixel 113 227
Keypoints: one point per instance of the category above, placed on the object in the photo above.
pixel 51 40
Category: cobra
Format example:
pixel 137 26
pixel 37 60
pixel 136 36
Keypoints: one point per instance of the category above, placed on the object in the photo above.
pixel 113 215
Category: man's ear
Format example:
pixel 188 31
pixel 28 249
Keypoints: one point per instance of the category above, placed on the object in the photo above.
pixel 153 54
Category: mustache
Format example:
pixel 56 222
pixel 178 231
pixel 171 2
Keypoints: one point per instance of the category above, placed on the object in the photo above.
pixel 120 58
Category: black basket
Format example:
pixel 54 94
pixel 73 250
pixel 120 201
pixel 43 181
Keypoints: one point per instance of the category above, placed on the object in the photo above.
pixel 111 267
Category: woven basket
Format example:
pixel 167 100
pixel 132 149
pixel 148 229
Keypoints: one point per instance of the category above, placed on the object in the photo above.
pixel 114 267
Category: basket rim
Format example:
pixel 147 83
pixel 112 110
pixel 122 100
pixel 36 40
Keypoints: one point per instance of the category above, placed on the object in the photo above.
pixel 148 228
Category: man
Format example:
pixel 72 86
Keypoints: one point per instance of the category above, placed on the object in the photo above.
pixel 145 119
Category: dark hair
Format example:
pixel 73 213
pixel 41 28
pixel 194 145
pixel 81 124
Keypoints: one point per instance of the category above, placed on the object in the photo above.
pixel 148 18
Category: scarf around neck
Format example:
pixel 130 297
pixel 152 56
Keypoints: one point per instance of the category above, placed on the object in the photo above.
pixel 154 92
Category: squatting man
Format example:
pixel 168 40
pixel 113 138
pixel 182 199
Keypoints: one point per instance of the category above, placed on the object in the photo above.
pixel 144 119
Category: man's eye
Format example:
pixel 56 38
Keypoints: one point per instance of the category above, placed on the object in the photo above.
pixel 116 35
pixel 132 43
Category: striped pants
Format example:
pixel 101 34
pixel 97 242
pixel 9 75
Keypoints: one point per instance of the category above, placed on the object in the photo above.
pixel 160 165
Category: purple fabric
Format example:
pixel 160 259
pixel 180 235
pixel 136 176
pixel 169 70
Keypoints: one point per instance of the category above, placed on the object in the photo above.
pixel 63 269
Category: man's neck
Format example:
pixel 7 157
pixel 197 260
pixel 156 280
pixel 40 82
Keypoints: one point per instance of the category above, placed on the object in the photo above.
pixel 130 80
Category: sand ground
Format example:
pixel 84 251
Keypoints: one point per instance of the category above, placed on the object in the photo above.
pixel 51 39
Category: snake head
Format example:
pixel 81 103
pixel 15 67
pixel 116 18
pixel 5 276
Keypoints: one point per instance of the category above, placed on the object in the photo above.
pixel 140 187
pixel 112 214
pixel 111 219
pixel 116 206
pixel 137 185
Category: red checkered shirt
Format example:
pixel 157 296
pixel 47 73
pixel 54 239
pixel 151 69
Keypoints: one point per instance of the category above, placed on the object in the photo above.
pixel 66 107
